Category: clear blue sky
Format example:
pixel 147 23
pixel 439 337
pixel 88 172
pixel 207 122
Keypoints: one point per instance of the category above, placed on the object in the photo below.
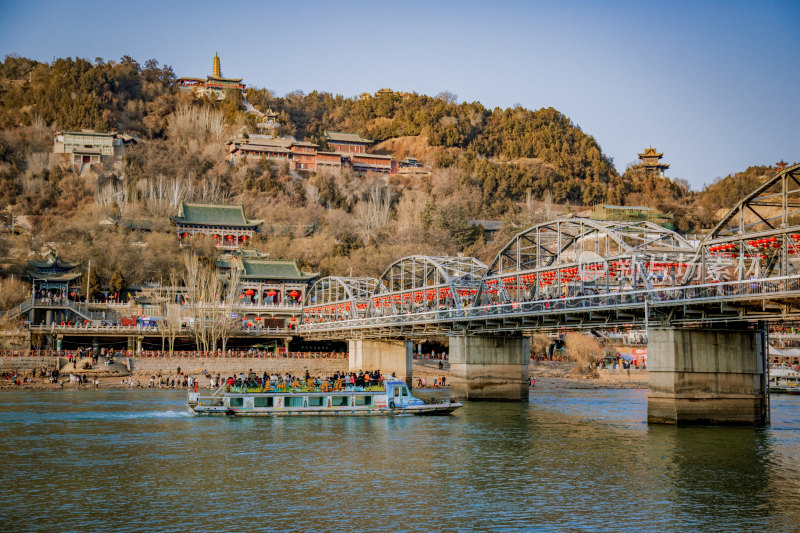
pixel 714 85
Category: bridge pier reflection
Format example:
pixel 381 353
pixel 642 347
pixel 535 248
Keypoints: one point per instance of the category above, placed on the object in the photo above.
pixel 707 376
pixel 489 368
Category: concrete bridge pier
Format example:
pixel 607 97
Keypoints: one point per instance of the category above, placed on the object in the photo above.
pixel 489 368
pixel 707 376
pixel 388 356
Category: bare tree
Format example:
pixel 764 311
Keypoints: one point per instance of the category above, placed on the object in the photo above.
pixel 204 122
pixel 12 292
pixel 194 295
pixel 170 325
pixel 229 322
pixel 374 214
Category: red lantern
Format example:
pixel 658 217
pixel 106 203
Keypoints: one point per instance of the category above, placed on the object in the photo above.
pixel 294 294
pixel 250 292
pixel 271 293
pixel 258 319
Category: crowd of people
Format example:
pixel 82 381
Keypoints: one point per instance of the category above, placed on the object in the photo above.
pixel 282 382
pixel 252 353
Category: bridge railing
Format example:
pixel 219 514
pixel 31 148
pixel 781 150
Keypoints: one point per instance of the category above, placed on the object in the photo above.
pixel 111 329
pixel 754 289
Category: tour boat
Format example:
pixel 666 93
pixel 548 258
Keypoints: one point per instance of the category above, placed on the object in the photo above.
pixel 784 379
pixel 391 397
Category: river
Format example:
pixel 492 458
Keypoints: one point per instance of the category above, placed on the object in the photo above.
pixel 582 460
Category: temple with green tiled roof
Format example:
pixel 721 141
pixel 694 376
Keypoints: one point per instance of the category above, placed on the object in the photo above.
pixel 226 224
pixel 267 282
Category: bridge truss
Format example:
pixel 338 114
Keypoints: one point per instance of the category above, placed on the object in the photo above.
pixel 758 238
pixel 580 273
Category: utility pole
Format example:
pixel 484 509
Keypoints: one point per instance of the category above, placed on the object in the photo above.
pixel 88 281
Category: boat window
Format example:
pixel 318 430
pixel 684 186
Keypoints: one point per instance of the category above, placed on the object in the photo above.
pixel 293 401
pixel 363 400
pixel 340 401
pixel 236 402
pixel 316 401
pixel 397 391
pixel 405 390
pixel 263 401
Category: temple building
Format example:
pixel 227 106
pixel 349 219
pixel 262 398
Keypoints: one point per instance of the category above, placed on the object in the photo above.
pixel 257 147
pixel 89 147
pixel 53 277
pixel 55 289
pixel 226 224
pixel 373 163
pixel 651 162
pixel 214 85
pixel 302 155
pixel 349 143
pixel 271 291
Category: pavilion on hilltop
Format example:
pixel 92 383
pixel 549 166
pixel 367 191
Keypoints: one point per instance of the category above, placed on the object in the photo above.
pixel 651 162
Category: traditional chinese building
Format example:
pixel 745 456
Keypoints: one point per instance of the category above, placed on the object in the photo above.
pixel 55 290
pixel 373 163
pixel 90 146
pixel 348 143
pixel 53 277
pixel 651 162
pixel 271 291
pixel 257 147
pixel 304 156
pixel 226 224
pixel 214 85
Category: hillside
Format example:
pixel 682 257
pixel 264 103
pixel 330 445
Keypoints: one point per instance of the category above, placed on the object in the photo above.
pixel 516 165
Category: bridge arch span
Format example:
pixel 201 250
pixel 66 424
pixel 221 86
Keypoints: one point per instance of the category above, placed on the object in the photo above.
pixel 578 256
pixel 335 298
pixel 758 238
pixel 425 283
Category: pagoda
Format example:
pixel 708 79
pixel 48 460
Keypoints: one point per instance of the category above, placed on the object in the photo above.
pixel 214 85
pixel 651 162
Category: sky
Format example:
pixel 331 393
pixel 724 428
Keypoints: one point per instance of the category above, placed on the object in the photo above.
pixel 713 85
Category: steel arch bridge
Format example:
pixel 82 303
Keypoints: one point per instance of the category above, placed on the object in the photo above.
pixel 410 285
pixel 577 256
pixel 758 238
pixel 336 298
pixel 580 273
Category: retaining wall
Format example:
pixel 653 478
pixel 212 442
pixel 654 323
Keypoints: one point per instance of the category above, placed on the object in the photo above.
pixel 227 366
pixel 24 365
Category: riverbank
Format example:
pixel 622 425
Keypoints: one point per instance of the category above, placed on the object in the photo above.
pixel 562 375
pixel 548 374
